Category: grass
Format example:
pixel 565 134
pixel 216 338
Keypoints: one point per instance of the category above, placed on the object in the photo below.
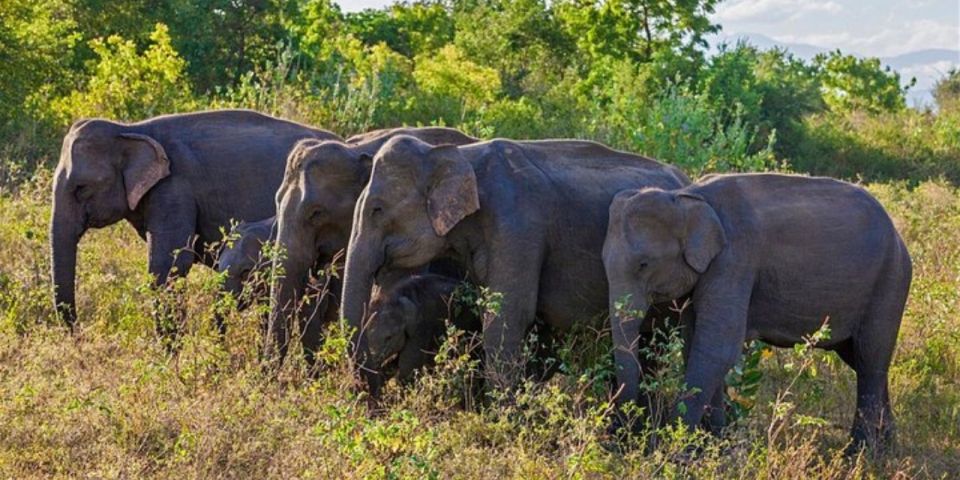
pixel 109 402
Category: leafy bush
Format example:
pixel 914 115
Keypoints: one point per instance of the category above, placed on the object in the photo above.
pixel 681 128
pixel 908 145
pixel 851 83
pixel 451 85
pixel 127 85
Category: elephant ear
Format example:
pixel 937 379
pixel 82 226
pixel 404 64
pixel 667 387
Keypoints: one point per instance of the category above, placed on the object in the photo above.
pixel 704 237
pixel 452 189
pixel 364 166
pixel 146 164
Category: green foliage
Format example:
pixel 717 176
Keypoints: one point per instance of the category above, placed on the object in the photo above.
pixel 631 73
pixel 680 127
pixel 851 83
pixel 947 91
pixel 908 145
pixel 128 85
pixel 452 85
pixel 637 29
pixel 37 40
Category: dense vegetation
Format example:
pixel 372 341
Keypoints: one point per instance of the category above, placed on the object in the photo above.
pixel 110 402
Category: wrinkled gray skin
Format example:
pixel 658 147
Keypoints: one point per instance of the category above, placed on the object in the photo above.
pixel 176 178
pixel 243 256
pixel 315 207
pixel 408 323
pixel 765 256
pixel 525 219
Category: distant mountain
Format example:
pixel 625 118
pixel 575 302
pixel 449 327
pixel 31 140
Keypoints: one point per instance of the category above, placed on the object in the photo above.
pixel 763 42
pixel 927 66
pixel 923 57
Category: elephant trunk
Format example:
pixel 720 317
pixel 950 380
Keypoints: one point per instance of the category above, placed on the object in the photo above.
pixel 364 260
pixel 627 312
pixel 291 270
pixel 66 228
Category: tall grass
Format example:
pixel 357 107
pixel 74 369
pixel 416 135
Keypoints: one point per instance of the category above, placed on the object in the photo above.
pixel 109 401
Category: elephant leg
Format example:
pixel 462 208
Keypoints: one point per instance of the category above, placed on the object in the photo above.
pixel 716 343
pixel 515 278
pixel 715 418
pixel 870 354
pixel 171 255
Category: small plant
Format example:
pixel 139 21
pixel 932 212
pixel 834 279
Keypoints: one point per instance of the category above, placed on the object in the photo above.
pixel 784 410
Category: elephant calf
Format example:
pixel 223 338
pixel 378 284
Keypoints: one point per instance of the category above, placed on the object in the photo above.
pixel 242 257
pixel 765 256
pixel 408 323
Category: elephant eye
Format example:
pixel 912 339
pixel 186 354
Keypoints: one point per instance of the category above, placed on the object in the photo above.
pixel 642 266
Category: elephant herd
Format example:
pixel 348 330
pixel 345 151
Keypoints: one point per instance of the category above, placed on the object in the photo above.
pixel 562 231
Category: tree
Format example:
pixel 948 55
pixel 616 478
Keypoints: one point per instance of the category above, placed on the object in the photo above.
pixel 37 38
pixel 450 85
pixel 521 39
pixel 850 83
pixel 127 85
pixel 639 28
pixel 947 90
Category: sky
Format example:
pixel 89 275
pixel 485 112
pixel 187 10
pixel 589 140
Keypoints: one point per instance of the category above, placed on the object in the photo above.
pixel 868 27
pixel 876 28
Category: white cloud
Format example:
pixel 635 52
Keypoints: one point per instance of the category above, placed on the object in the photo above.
pixel 906 37
pixel 773 10
pixel 927 74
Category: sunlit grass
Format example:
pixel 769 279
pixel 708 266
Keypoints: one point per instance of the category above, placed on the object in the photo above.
pixel 109 401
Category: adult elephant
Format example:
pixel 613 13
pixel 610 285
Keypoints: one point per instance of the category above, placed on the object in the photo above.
pixel 315 207
pixel 178 179
pixel 525 219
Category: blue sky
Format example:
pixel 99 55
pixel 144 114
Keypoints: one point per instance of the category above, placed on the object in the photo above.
pixel 868 27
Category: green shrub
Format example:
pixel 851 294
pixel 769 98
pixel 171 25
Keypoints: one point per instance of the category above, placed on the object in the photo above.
pixel 682 128
pixel 450 86
pixel 907 145
pixel 851 83
pixel 127 85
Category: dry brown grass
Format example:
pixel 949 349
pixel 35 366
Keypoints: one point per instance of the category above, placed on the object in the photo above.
pixel 109 402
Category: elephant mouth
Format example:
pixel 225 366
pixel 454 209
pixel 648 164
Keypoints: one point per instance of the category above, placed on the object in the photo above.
pixel 390 366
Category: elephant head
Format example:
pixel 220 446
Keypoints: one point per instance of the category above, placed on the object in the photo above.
pixel 105 170
pixel 315 206
pixel 658 244
pixel 416 195
pixel 393 338
pixel 243 256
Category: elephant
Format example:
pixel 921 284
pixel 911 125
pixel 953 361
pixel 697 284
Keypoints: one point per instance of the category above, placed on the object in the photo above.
pixel 242 257
pixel 408 323
pixel 177 179
pixel 525 219
pixel 315 206
pixel 767 256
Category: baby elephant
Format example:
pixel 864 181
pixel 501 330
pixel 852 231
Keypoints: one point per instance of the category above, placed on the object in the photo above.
pixel 242 257
pixel 764 256
pixel 407 325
